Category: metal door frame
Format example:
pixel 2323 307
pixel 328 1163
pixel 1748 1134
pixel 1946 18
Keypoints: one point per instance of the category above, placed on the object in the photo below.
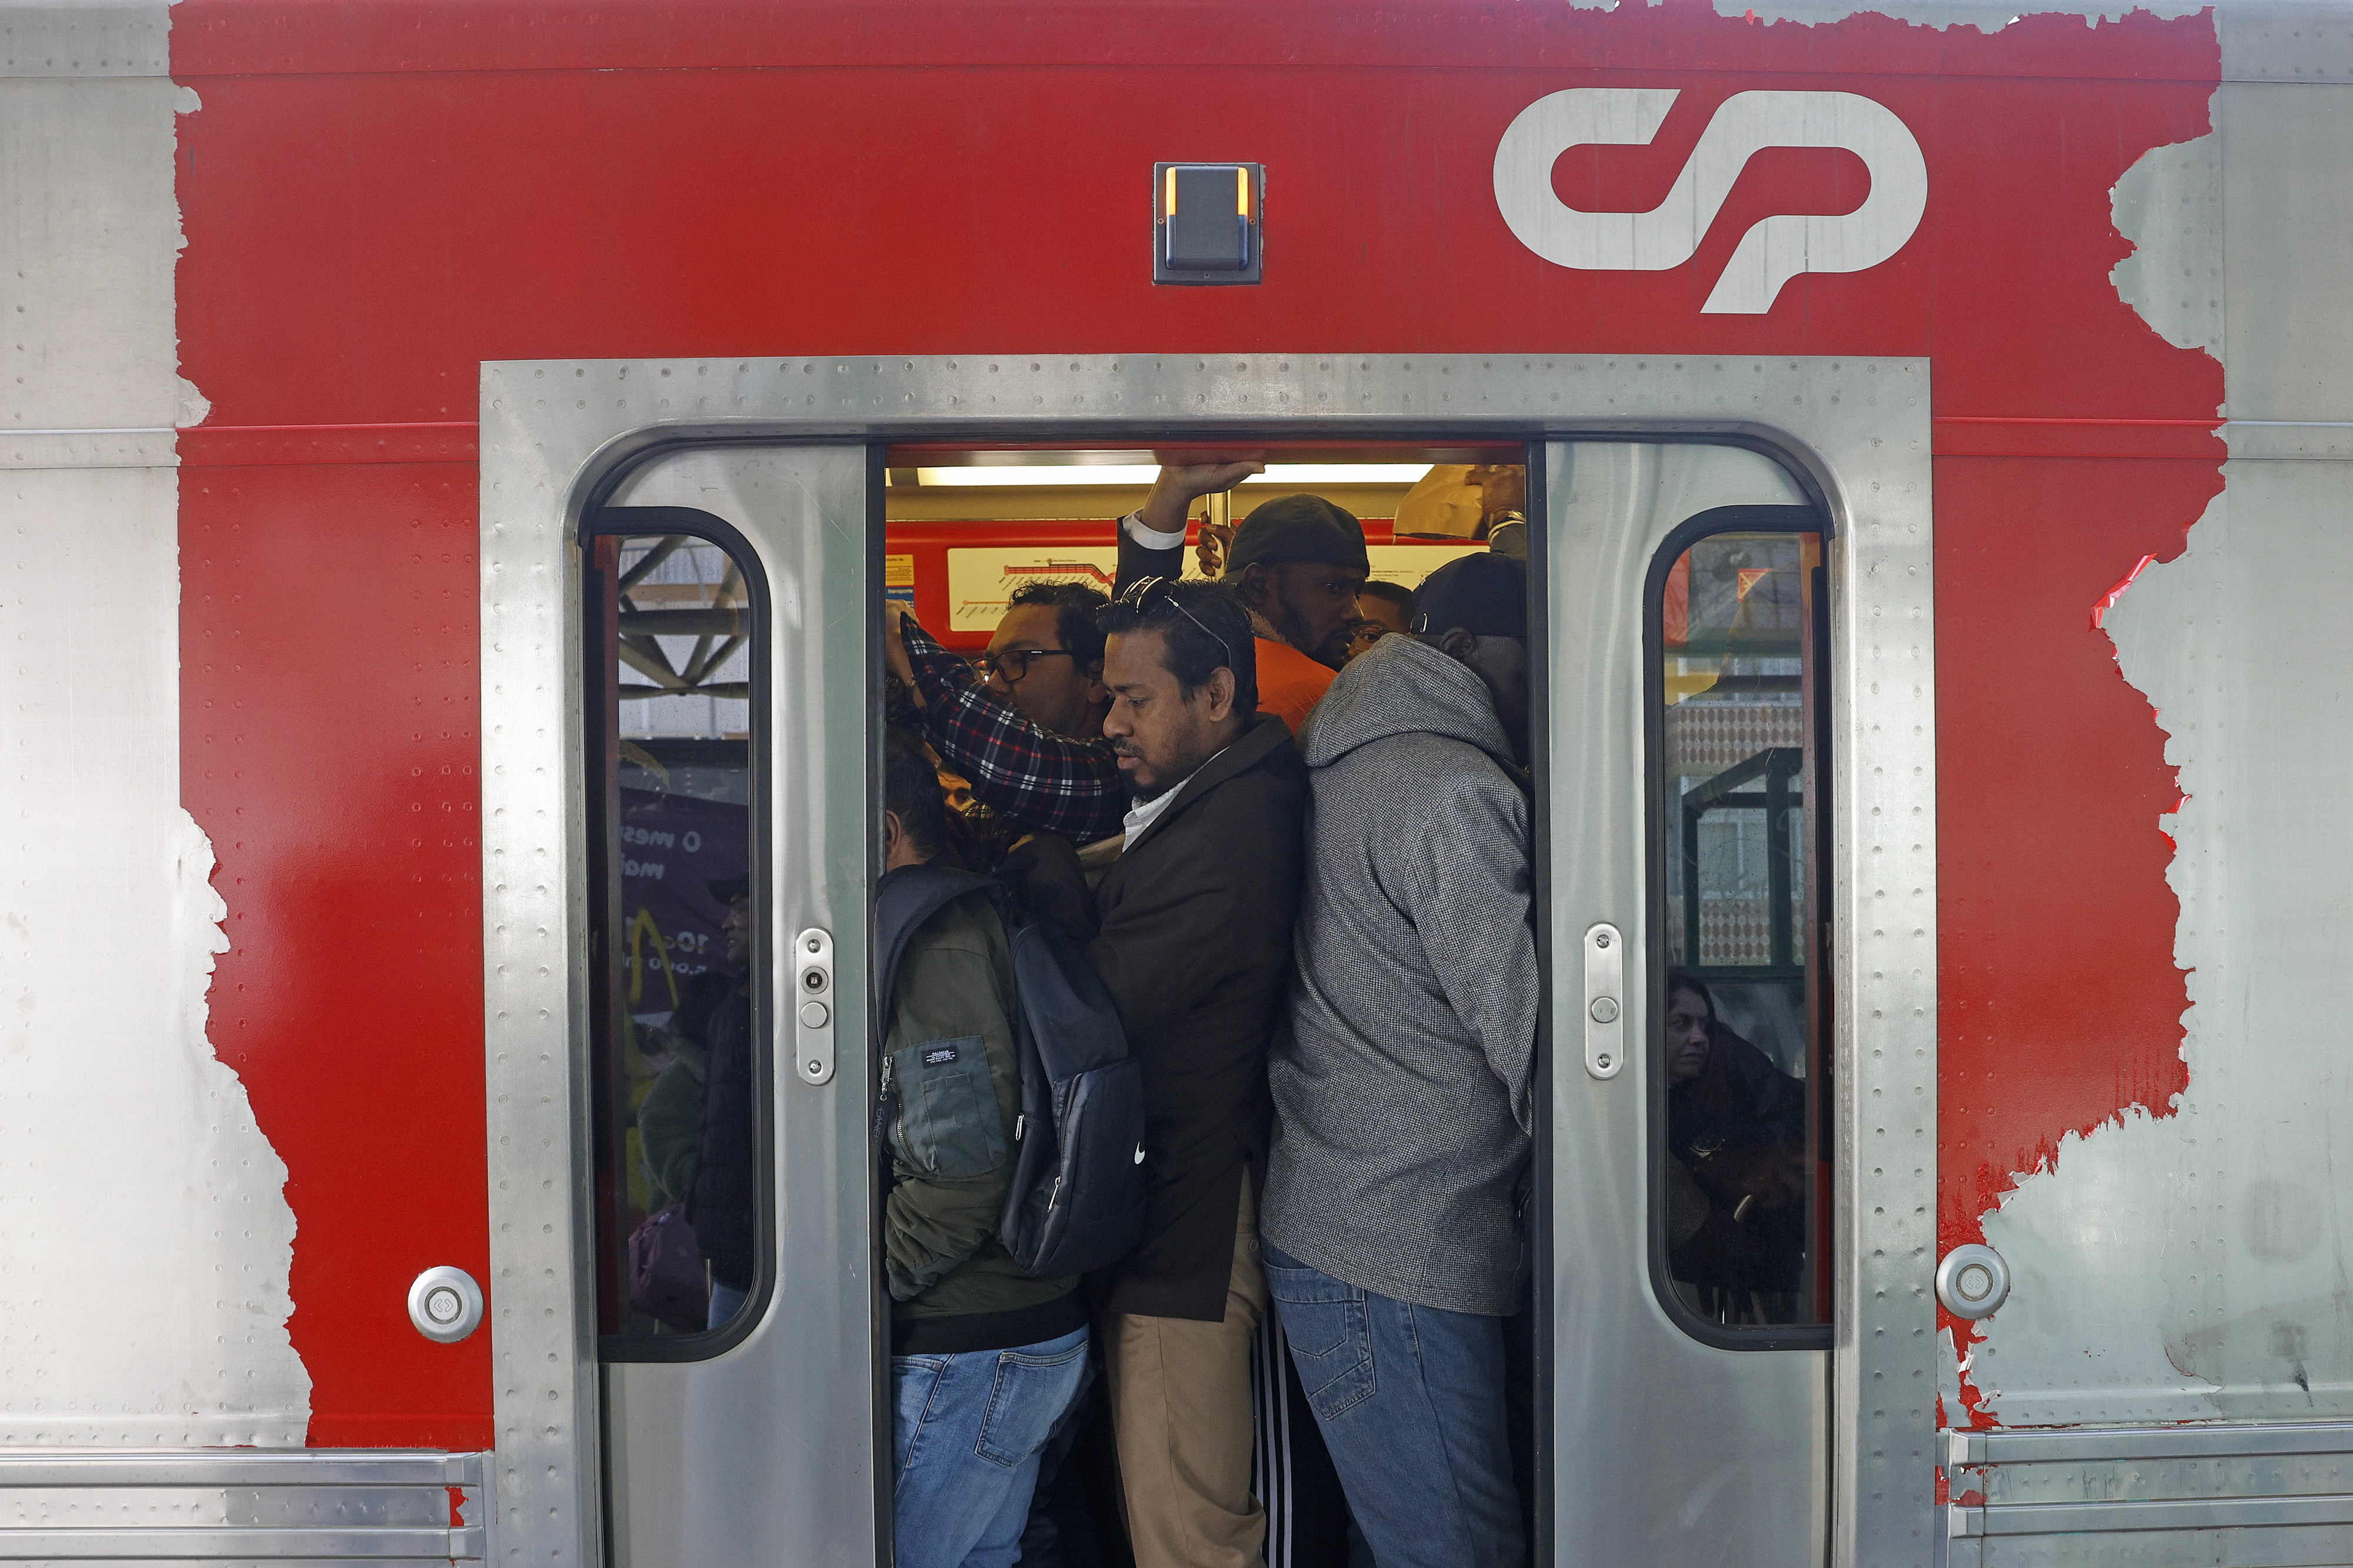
pixel 554 432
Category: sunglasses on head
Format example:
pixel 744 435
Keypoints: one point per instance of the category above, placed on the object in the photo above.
pixel 1139 596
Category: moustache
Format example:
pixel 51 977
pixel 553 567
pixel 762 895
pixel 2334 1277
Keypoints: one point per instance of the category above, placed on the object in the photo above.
pixel 1122 749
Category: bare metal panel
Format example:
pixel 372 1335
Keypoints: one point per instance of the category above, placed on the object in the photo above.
pixel 201 1544
pixel 288 1505
pixel 542 1313
pixel 1857 428
pixel 2179 1266
pixel 150 1246
pixel 2217 1229
pixel 2289 1546
pixel 2182 1266
pixel 1657 1460
pixel 2288 441
pixel 2333 1440
pixel 2289 336
pixel 242 1467
pixel 2169 204
pixel 1984 16
pixel 85 39
pixel 2265 1494
pixel 89 233
pixel 767 1453
pixel 2285 40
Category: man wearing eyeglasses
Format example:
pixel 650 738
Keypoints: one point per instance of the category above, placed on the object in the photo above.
pixel 1026 731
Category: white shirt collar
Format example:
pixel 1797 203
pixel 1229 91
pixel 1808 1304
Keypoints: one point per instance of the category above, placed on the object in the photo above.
pixel 1145 813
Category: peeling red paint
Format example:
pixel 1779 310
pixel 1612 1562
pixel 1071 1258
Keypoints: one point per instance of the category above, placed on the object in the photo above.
pixel 2107 601
pixel 379 197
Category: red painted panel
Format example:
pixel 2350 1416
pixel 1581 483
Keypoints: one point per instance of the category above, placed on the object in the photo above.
pixel 329 687
pixel 247 37
pixel 417 224
pixel 2060 1005
pixel 358 244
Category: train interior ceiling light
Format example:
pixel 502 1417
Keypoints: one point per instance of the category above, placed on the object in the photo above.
pixel 1143 474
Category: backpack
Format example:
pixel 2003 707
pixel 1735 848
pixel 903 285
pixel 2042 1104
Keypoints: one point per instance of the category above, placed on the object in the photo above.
pixel 1076 1200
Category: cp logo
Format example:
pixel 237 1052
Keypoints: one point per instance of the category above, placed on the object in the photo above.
pixel 1776 250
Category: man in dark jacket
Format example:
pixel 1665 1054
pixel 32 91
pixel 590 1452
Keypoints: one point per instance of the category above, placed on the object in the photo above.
pixel 1401 1091
pixel 1194 942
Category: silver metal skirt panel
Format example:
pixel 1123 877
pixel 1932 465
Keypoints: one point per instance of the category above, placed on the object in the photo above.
pixel 1857 429
pixel 312 1505
pixel 2274 1495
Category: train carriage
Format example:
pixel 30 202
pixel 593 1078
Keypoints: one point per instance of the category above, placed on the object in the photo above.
pixel 497 427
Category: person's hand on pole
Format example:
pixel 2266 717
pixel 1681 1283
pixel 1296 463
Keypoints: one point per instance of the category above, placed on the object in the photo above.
pixel 1209 548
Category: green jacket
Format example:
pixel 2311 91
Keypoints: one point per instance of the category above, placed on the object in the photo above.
pixel 950 1057
pixel 669 1125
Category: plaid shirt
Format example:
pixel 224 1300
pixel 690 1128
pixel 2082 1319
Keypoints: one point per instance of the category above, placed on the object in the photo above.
pixel 1026 773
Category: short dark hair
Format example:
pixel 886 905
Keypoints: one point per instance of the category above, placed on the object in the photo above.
pixel 1075 607
pixel 911 789
pixel 1397 594
pixel 1204 627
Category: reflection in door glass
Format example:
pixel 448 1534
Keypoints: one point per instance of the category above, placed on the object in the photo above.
pixel 1742 1051
pixel 678 1075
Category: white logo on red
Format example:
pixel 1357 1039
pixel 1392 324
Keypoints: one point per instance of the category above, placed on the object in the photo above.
pixel 1774 250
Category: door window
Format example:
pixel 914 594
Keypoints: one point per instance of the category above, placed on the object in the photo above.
pixel 679 1070
pixel 1740 1064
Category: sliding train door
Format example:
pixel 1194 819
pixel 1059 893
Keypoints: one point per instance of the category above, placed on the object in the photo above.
pixel 724 610
pixel 1685 691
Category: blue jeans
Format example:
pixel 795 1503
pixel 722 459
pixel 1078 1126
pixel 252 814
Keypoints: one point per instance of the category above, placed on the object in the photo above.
pixel 964 1445
pixel 1410 1402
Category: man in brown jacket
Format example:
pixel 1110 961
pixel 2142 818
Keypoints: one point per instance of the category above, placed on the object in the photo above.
pixel 1194 942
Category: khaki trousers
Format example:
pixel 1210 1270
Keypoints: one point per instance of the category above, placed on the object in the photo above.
pixel 1180 1404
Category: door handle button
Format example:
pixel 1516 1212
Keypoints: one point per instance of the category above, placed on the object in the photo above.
pixel 1605 983
pixel 445 1304
pixel 1972 1282
pixel 813 1041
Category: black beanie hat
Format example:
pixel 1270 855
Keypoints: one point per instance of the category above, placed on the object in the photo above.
pixel 1486 595
pixel 1299 528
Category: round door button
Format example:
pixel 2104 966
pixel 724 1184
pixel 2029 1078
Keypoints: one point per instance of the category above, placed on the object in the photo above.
pixel 1604 1009
pixel 813 1015
pixel 445 1304
pixel 1972 1282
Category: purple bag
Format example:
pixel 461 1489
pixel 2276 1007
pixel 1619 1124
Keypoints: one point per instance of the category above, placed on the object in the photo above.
pixel 667 1278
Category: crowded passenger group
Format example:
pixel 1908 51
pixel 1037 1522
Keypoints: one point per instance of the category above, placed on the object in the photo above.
pixel 1282 812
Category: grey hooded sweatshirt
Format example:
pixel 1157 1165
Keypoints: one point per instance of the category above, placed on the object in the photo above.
pixel 1401 1097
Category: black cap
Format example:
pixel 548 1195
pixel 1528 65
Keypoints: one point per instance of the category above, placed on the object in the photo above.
pixel 1486 595
pixel 1299 528
pixel 727 889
